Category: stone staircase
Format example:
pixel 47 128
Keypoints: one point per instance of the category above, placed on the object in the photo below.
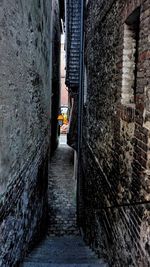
pixel 66 251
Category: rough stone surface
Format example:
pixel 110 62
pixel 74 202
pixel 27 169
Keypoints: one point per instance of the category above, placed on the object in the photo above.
pixel 25 100
pixel 115 150
pixel 25 97
pixel 62 192
pixel 67 251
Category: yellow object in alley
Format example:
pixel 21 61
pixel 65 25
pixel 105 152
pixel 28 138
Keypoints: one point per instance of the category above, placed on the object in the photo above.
pixel 60 119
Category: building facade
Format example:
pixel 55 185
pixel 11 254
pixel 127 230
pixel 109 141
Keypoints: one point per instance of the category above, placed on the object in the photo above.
pixel 113 127
pixel 29 52
pixel 64 91
pixel 73 46
pixel 115 181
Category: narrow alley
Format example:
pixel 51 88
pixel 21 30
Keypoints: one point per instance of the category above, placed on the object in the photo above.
pixel 63 245
pixel 75 133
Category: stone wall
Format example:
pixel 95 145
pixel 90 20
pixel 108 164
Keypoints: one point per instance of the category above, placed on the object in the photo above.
pixel 115 146
pixel 25 103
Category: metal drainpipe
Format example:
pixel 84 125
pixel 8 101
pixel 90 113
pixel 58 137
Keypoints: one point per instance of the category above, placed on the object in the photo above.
pixel 80 114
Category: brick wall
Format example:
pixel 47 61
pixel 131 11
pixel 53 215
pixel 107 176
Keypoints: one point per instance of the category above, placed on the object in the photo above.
pixel 115 152
pixel 25 119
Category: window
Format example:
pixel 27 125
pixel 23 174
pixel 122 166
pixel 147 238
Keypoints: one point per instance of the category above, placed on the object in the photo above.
pixel 130 58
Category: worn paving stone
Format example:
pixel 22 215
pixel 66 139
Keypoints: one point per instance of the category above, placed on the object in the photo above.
pixel 62 192
pixel 66 251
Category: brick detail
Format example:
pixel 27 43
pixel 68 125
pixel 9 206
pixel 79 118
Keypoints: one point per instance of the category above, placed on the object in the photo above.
pixel 115 148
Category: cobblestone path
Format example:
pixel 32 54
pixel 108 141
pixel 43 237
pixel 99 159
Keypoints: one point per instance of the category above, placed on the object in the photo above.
pixel 62 192
pixel 63 246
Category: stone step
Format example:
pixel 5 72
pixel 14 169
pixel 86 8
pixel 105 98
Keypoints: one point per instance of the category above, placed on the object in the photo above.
pixel 70 259
pixel 65 261
pixel 32 264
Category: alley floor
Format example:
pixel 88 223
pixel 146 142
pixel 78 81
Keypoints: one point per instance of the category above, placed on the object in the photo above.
pixel 66 251
pixel 63 245
pixel 62 191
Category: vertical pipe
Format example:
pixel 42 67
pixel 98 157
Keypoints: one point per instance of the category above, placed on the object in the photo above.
pixel 80 114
